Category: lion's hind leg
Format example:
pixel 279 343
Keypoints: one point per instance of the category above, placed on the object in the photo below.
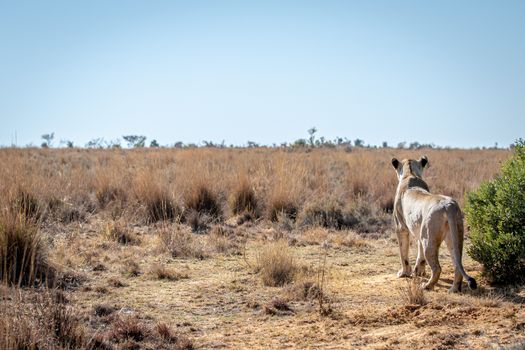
pixel 421 263
pixel 430 250
pixel 403 239
pixel 458 277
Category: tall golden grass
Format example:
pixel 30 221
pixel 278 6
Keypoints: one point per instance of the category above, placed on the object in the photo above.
pixel 155 184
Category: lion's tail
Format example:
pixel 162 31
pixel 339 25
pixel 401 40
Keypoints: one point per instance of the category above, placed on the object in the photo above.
pixel 455 222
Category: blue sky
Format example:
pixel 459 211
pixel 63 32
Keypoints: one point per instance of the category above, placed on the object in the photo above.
pixel 448 72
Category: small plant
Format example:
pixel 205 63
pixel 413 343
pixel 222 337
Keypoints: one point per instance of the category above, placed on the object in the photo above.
pixel 101 310
pixel 180 243
pixel 222 240
pixel 277 306
pixel 496 216
pixel 321 280
pixel 181 342
pixel 117 232
pixel 162 272
pixel 130 268
pixel 276 264
pixel 128 328
pixel 412 294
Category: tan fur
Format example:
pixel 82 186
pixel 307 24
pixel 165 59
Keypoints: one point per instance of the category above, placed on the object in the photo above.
pixel 430 219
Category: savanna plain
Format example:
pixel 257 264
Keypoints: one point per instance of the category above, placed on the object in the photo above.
pixel 211 248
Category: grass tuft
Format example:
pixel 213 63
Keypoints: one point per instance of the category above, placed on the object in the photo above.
pixel 117 232
pixel 243 199
pixel 412 294
pixel 162 272
pixel 276 264
pixel 201 199
pixel 128 328
pixel 180 243
pixel 282 207
pixel 23 258
pixel 39 322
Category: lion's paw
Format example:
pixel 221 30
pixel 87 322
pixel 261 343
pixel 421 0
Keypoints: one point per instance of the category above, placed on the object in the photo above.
pixel 403 274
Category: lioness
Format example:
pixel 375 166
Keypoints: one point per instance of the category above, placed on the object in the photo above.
pixel 430 218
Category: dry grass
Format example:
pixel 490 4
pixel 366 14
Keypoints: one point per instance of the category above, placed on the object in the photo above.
pixel 162 272
pixel 332 211
pixel 38 322
pixel 243 198
pixel 276 264
pixel 203 200
pixel 180 243
pixel 118 232
pixel 412 293
pixel 23 259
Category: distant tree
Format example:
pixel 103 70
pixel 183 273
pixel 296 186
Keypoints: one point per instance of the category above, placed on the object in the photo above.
pixel 359 143
pixel 178 144
pixel 401 144
pixel 113 144
pixel 135 141
pixel 48 140
pixel 252 144
pixel 96 143
pixel 311 139
pixel 67 143
pixel 385 144
pixel 414 145
pixel 319 142
pixel 209 144
pixel 300 143
pixel 154 144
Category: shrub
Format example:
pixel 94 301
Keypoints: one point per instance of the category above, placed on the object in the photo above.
pixel 327 215
pixel 496 216
pixel 159 207
pixel 243 199
pixel 22 252
pixel 204 201
pixel 157 202
pixel 276 264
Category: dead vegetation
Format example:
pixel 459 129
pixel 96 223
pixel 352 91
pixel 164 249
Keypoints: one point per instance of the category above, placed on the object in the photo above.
pixel 205 248
pixel 276 264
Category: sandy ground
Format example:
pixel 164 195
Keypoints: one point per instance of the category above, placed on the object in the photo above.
pixel 221 301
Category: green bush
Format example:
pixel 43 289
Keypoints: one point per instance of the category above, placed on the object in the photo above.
pixel 496 216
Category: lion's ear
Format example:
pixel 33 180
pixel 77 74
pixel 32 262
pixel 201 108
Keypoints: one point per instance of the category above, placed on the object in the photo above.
pixel 395 163
pixel 423 161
